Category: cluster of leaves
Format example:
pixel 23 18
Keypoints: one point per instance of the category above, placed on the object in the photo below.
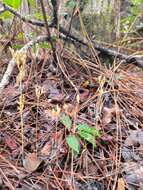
pixel 84 132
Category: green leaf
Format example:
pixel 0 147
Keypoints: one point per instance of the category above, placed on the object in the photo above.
pixel 6 15
pixel 45 45
pixel 20 36
pixel 38 16
pixel 18 46
pixel 66 121
pixel 54 38
pixel 71 4
pixel 32 3
pixel 85 128
pixel 88 137
pixel 13 3
pixel 73 143
pixel 136 2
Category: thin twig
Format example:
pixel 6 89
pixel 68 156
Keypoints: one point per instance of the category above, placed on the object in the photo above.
pixel 48 33
pixel 70 25
pixel 55 12
pixel 8 182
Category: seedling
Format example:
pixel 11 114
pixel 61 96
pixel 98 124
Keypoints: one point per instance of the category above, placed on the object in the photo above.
pixel 84 132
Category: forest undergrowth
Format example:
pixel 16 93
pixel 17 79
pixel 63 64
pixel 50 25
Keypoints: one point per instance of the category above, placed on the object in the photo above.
pixel 69 119
pixel 35 153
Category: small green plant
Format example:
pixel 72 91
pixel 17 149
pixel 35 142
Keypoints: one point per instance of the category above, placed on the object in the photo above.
pixel 12 3
pixel 84 131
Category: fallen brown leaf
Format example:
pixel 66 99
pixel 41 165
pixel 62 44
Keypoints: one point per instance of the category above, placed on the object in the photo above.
pixel 46 150
pixel 31 162
pixel 135 137
pixel 108 114
pixel 10 142
pixel 69 109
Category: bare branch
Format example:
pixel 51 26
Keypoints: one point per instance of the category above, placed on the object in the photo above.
pixel 49 34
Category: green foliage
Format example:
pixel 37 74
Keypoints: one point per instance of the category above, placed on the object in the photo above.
pixel 85 128
pixel 17 46
pixel 39 16
pixel 32 3
pixel 71 4
pixel 134 13
pixel 84 132
pixel 21 36
pixel 88 133
pixel 12 3
pixel 136 2
pixel 45 45
pixel 88 137
pixel 73 143
pixel 66 121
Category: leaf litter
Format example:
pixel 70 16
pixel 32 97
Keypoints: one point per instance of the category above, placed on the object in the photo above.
pixel 112 106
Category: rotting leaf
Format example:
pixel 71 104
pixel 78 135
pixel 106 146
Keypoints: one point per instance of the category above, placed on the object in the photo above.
pixel 31 162
pixel 84 95
pixel 51 90
pixel 73 143
pixel 46 149
pixel 66 121
pixel 135 137
pixel 52 114
pixel 108 114
pixel 133 173
pixel 11 143
pixel 69 109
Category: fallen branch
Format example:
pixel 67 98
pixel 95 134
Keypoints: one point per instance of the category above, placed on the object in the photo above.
pixel 136 60
pixel 12 63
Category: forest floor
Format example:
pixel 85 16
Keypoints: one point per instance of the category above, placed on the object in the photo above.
pixel 42 146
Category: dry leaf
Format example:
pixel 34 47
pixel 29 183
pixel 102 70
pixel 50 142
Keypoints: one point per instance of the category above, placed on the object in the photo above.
pixel 84 95
pixel 50 88
pixel 108 114
pixel 69 109
pixel 46 150
pixel 133 173
pixel 10 142
pixel 31 162
pixel 135 137
pixel 53 114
